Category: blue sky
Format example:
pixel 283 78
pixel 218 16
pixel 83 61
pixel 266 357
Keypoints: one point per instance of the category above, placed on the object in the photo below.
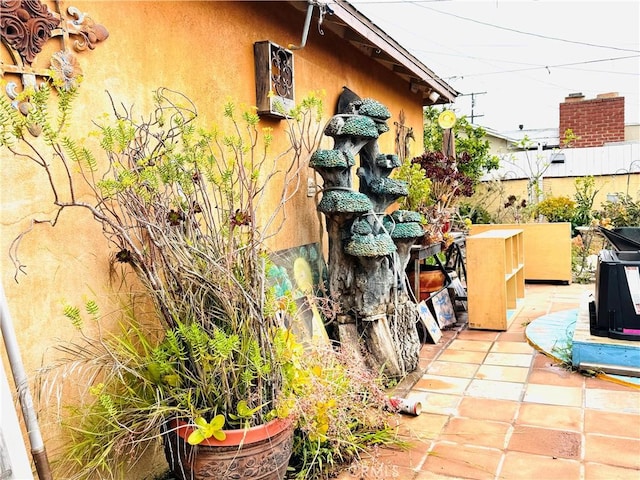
pixel 520 59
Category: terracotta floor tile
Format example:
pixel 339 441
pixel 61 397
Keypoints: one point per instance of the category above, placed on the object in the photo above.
pixel 509 359
pixel 471 345
pixel 434 476
pixel 553 395
pixel 613 400
pixel 462 461
pixel 518 325
pixel 482 433
pixel 611 423
pixel 430 351
pixel 423 427
pixel 512 337
pixel 495 389
pixel 520 466
pixel 498 372
pixel 449 334
pixel 604 384
pixel 373 469
pixel 597 471
pixel 561 306
pixel 540 360
pixel 453 369
pixel 617 451
pixel 442 384
pixel 511 347
pixel 478 335
pixel 462 356
pixel 545 441
pixel 413 458
pixel 438 403
pixel 424 363
pixel 532 311
pixel 488 409
pixel 556 375
pixel 550 416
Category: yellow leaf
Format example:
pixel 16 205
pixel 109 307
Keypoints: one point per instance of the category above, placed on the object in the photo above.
pixel 196 437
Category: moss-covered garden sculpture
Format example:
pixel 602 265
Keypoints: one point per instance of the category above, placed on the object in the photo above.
pixel 368 249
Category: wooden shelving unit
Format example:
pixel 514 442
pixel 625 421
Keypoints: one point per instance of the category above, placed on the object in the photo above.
pixel 495 278
pixel 548 247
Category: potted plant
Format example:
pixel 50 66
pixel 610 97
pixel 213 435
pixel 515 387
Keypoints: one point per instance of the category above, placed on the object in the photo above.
pixel 181 208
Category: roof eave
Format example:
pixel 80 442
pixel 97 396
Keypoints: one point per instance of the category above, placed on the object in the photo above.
pixel 351 25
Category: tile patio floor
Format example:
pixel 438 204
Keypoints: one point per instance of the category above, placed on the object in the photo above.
pixel 495 408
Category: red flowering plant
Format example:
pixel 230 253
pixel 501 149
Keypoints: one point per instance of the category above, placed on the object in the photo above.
pixel 448 183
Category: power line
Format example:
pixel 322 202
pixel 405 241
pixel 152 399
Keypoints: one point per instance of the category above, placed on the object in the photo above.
pixel 420 4
pixel 547 67
pixel 491 62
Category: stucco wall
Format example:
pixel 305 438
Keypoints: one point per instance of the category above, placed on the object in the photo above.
pixel 564 186
pixel 205 50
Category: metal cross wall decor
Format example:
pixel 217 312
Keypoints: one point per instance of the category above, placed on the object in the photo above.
pixel 27 25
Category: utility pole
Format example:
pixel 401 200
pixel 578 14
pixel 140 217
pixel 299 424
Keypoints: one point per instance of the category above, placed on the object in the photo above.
pixel 473 103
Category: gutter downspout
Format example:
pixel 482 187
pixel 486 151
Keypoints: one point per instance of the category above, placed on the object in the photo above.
pixel 38 451
pixel 305 31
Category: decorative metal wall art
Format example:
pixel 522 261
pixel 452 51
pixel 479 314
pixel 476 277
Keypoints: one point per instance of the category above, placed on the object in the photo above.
pixel 403 135
pixel 25 28
pixel 274 79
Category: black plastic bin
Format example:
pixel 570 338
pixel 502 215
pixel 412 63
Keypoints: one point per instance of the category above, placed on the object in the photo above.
pixel 615 313
pixel 623 238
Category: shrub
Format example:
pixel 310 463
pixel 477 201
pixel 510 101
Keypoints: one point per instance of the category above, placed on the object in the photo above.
pixel 624 212
pixel 556 209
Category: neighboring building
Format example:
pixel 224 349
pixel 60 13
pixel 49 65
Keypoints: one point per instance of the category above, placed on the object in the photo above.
pixel 605 148
pixel 594 122
pixel 206 51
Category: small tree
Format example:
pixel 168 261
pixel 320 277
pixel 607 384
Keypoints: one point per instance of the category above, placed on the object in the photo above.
pixel 469 139
pixel 536 166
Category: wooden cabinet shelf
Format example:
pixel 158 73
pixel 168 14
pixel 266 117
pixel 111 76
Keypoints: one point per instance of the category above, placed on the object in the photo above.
pixel 548 247
pixel 495 278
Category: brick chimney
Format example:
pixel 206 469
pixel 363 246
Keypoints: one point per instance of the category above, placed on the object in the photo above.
pixel 595 121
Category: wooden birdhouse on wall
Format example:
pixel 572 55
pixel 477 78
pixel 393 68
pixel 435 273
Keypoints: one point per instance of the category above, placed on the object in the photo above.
pixel 274 79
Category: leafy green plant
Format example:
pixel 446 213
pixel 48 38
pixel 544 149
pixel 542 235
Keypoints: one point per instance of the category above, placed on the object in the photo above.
pixel 623 212
pixel 536 164
pixel 339 405
pixel 145 375
pixel 342 410
pixel 179 205
pixel 516 209
pixel 207 430
pixel 583 246
pixel 556 209
pixel 418 185
pixel 469 139
pixel 584 197
pixel 474 212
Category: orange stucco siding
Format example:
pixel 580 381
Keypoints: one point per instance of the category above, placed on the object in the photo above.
pixel 205 50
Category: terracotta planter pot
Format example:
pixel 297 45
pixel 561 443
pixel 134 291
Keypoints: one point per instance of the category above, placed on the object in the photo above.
pixel 257 453
pixel 431 280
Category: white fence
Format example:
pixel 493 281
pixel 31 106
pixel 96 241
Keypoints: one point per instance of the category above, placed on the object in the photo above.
pixel 617 159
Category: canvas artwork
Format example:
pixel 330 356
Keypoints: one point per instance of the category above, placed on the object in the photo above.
pixel 299 271
pixel 443 308
pixel 460 293
pixel 429 322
